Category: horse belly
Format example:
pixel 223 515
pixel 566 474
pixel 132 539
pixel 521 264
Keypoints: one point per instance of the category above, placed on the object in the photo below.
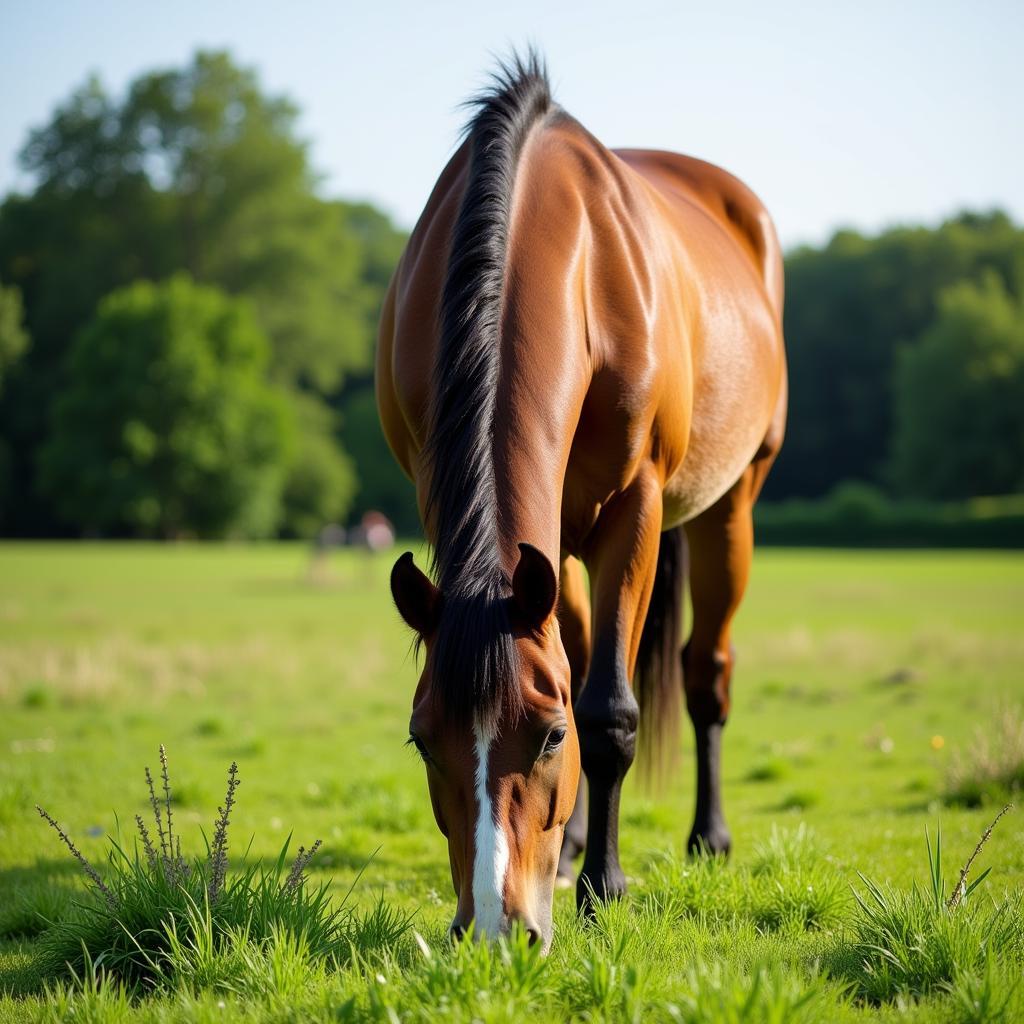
pixel 733 403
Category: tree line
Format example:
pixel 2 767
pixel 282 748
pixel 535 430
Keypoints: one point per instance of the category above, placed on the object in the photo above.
pixel 187 330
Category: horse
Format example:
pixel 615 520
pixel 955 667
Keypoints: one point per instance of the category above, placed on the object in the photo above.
pixel 580 365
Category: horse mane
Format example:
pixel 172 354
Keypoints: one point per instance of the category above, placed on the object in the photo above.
pixel 475 658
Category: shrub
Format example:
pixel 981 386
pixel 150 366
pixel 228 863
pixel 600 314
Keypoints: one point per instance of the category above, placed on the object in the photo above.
pixel 858 515
pixel 166 426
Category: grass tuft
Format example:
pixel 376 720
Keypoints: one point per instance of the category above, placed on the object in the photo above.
pixel 790 885
pixel 911 943
pixel 991 769
pixel 160 921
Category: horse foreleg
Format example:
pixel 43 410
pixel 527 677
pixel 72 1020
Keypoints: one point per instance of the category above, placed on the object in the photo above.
pixel 621 556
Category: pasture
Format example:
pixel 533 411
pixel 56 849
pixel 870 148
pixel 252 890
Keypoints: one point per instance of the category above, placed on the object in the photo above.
pixel 859 676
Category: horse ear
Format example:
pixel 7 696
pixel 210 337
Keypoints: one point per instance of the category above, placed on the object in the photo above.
pixel 417 599
pixel 534 586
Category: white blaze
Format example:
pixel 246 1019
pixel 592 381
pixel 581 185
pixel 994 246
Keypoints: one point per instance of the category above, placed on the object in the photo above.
pixel 491 861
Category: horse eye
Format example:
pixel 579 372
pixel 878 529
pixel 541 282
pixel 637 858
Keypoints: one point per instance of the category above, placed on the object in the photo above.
pixel 554 740
pixel 420 748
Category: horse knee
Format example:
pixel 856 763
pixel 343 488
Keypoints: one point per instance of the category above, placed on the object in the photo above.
pixel 706 677
pixel 606 720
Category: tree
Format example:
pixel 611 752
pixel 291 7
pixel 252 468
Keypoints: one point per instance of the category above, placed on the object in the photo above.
pixel 321 479
pixel 958 397
pixel 167 426
pixel 382 484
pixel 195 169
pixel 13 336
pixel 13 342
pixel 849 307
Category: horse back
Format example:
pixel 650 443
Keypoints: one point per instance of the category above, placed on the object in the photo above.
pixel 687 181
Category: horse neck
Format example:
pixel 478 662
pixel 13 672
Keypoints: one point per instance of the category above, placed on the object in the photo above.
pixel 541 393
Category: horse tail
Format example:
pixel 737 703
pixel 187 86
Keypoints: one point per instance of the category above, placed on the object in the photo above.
pixel 658 679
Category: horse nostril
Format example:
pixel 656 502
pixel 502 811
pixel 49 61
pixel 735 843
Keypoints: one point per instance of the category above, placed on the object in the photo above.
pixel 457 931
pixel 533 935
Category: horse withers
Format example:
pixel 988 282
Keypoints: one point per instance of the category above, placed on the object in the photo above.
pixel 580 364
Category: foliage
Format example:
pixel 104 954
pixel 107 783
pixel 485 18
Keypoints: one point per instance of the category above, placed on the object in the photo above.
pixel 195 169
pixel 851 307
pixel 217 168
pixel 860 515
pixel 13 337
pixel 166 426
pixel 959 418
pixel 13 343
pixel 321 478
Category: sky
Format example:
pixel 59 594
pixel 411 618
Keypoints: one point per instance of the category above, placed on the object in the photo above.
pixel 838 114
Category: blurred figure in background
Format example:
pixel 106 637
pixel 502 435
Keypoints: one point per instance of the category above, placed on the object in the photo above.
pixel 374 533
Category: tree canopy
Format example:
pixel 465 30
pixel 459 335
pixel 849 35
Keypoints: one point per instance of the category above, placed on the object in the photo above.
pixel 959 397
pixel 904 348
pixel 850 308
pixel 194 169
pixel 167 425
pixel 13 336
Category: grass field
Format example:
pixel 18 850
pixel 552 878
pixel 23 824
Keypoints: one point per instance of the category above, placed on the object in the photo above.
pixel 859 675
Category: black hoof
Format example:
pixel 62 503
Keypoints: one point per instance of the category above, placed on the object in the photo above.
pixel 713 841
pixel 601 887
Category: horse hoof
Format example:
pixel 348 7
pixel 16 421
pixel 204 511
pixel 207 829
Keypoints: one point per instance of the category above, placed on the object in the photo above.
pixel 601 888
pixel 714 841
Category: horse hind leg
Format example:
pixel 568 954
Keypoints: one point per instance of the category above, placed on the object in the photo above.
pixel 574 625
pixel 721 543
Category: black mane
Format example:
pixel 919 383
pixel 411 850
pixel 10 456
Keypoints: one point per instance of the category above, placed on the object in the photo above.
pixel 475 657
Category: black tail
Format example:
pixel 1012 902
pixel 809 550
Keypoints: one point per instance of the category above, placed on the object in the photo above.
pixel 659 673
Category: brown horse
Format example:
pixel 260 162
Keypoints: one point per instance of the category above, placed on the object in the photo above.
pixel 580 351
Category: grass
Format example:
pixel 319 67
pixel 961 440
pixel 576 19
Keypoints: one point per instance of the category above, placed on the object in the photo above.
pixel 991 767
pixel 863 683
pixel 157 920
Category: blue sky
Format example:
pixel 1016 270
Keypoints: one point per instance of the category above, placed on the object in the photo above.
pixel 862 114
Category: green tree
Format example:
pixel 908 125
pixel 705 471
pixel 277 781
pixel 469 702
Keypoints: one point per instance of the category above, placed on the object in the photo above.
pixel 13 336
pixel 321 478
pixel 958 397
pixel 382 484
pixel 13 343
pixel 195 169
pixel 167 426
pixel 849 307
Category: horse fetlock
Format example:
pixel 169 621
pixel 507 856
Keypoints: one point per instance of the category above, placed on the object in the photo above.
pixel 707 707
pixel 607 749
pixel 709 837
pixel 607 720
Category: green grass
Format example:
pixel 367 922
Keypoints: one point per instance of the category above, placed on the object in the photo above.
pixel 862 681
